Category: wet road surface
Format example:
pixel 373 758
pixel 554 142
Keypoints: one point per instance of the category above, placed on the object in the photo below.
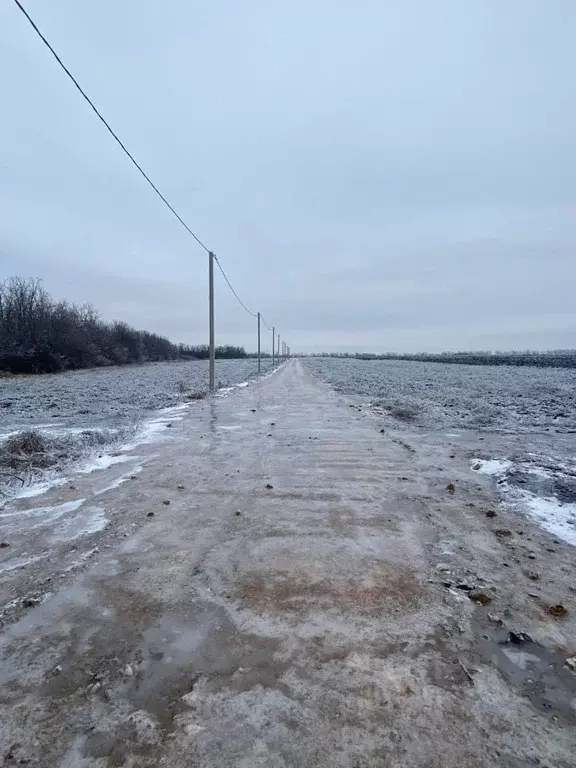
pixel 279 583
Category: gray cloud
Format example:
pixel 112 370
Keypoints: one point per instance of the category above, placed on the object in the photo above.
pixel 373 175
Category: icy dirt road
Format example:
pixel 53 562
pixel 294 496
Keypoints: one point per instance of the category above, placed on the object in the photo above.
pixel 279 583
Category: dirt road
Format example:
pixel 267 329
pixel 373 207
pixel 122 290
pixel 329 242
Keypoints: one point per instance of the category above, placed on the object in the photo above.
pixel 283 584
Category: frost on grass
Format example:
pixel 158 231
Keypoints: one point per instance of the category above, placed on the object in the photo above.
pixel 196 395
pixel 535 409
pixel 498 399
pixel 50 424
pixel 33 456
pixel 110 396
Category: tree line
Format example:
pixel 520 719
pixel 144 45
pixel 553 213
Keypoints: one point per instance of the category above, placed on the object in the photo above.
pixel 39 334
pixel 556 358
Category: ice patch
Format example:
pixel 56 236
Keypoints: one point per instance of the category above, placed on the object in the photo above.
pixel 154 430
pixel 174 409
pixel 119 480
pixel 103 461
pixel 90 520
pixel 521 659
pixel 229 426
pixel 94 463
pixel 48 513
pixel 37 489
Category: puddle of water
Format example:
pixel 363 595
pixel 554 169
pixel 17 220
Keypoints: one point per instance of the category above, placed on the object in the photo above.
pixel 538 673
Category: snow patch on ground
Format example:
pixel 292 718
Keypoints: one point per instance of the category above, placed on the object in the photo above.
pixel 497 467
pixel 19 562
pixel 556 518
pixel 37 489
pixel 549 512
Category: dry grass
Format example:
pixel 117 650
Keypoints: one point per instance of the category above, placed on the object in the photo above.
pixel 196 395
pixel 26 449
pixel 404 414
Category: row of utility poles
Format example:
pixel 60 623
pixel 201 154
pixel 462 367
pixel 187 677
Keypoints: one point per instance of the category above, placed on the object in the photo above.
pixel 280 349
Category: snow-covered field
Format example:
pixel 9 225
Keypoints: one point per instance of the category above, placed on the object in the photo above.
pixel 86 417
pixel 525 419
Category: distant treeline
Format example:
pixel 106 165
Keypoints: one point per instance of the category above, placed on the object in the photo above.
pixel 202 352
pixel 41 335
pixel 561 358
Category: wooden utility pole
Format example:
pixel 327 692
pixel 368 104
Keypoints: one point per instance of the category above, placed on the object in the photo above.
pixel 258 342
pixel 211 320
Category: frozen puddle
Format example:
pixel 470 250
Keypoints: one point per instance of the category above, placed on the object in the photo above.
pixel 67 521
pixel 155 429
pixel 90 520
pixel 545 494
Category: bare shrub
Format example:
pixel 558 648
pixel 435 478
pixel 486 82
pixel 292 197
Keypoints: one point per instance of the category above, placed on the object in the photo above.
pixel 405 414
pixel 25 449
pixel 197 395
pixel 27 442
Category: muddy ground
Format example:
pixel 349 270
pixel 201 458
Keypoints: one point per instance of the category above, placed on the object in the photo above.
pixel 280 583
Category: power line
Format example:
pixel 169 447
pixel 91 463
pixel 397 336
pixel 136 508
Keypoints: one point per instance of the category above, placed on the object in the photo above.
pixel 107 125
pixel 129 154
pixel 238 299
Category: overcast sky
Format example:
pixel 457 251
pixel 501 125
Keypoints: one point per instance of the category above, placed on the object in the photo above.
pixel 374 175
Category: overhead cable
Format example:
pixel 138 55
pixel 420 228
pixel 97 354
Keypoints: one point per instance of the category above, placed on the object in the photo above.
pixel 107 125
pixel 238 299
pixel 127 152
